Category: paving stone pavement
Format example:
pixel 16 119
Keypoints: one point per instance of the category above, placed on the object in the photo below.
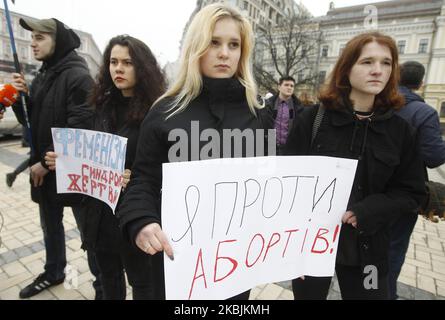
pixel 22 252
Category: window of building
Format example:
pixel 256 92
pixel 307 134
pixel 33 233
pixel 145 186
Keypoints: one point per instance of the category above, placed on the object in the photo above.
pixel 24 53
pixel 7 50
pixel 245 5
pixel 324 51
pixel 342 47
pixel 15 24
pixel 21 31
pixel 303 51
pixel 274 52
pixel 423 46
pixel 300 76
pixel 271 13
pixel 442 110
pixel 4 25
pixel 401 44
pixel 321 77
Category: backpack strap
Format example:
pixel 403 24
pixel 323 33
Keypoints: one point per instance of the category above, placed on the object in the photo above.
pixel 317 122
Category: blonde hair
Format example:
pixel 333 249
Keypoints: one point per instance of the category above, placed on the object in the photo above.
pixel 188 84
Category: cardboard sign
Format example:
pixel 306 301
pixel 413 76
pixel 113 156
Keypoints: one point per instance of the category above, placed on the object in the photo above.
pixel 90 163
pixel 238 223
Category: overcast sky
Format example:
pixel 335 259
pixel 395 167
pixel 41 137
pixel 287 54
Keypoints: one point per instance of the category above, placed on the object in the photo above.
pixel 159 23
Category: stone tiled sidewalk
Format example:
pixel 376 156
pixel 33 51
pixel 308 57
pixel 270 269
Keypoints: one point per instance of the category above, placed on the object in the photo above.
pixel 22 252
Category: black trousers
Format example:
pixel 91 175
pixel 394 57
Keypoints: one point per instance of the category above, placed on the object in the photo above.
pixel 51 220
pixel 135 264
pixel 21 167
pixel 351 280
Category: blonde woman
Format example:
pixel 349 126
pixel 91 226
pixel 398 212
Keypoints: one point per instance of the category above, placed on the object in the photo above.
pixel 214 88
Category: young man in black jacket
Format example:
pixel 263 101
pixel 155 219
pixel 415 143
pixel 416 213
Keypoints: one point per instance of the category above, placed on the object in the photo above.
pixel 57 99
pixel 283 107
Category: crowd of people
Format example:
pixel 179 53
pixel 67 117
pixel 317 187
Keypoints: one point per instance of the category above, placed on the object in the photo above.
pixel 367 111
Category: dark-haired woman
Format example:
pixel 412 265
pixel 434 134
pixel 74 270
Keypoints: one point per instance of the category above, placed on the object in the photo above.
pixel 359 123
pixel 130 80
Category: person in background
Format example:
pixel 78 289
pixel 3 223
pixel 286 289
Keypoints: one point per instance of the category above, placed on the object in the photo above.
pixel 432 150
pixel 283 108
pixel 10 177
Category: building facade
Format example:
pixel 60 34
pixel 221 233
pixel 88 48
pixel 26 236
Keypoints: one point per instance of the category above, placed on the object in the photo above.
pixel 418 28
pixel 88 50
pixel 261 13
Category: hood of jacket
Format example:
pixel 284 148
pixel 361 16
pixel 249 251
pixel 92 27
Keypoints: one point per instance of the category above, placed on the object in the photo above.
pixel 71 60
pixel 66 42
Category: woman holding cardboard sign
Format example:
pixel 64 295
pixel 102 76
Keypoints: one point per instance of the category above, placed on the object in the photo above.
pixel 215 87
pixel 130 80
pixel 356 120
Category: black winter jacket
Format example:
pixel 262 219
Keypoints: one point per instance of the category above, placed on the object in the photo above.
pixel 221 105
pixel 57 99
pixel 389 178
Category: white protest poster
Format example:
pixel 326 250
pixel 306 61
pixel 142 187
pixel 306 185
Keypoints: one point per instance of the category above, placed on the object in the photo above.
pixel 238 223
pixel 90 162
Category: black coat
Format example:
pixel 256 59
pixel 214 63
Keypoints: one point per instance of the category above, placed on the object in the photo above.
pixel 57 99
pixel 221 105
pixel 100 227
pixel 389 179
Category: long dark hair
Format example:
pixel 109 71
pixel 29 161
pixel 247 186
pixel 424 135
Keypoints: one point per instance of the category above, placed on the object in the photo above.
pixel 338 87
pixel 150 81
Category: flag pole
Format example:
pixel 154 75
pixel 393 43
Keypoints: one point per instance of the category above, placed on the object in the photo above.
pixel 18 70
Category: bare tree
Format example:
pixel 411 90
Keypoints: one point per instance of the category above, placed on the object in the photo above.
pixel 290 48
